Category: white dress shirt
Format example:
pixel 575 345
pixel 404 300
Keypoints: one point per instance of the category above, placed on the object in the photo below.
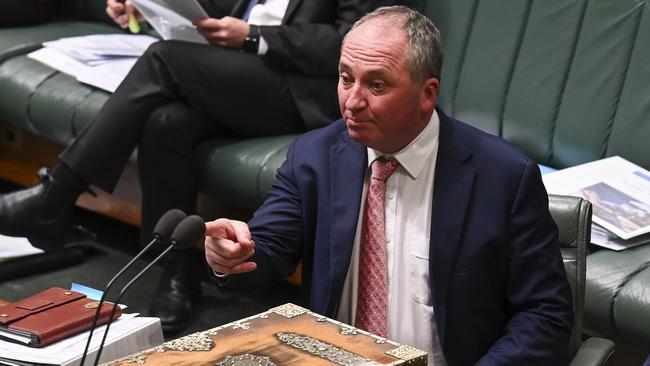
pixel 409 195
pixel 270 13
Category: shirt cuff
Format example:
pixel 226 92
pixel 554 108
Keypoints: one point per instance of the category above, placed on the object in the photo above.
pixel 262 47
pixel 220 275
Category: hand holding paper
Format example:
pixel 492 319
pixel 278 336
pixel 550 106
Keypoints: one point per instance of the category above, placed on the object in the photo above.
pixel 225 32
pixel 124 14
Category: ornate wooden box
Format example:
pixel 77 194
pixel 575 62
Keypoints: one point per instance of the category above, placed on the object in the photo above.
pixel 286 335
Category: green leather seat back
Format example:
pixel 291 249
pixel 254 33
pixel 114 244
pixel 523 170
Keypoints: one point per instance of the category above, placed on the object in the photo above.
pixel 245 169
pixel 567 81
pixel 92 10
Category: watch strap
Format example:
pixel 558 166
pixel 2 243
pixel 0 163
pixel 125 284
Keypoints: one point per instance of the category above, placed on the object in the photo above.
pixel 252 40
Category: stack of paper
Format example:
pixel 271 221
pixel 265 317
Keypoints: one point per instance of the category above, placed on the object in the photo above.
pixel 620 195
pixel 128 334
pixel 99 60
pixel 12 248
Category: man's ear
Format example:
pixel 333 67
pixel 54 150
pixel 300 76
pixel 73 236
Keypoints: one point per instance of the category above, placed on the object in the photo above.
pixel 429 94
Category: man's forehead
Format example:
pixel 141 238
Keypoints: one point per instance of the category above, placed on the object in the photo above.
pixel 372 48
pixel 378 28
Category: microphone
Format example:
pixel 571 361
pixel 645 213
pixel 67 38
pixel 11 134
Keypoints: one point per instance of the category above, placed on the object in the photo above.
pixel 190 230
pixel 161 233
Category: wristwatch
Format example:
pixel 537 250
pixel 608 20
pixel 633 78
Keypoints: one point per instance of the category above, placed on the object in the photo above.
pixel 252 40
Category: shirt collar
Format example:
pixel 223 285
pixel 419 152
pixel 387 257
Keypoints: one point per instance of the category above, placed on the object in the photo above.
pixel 413 157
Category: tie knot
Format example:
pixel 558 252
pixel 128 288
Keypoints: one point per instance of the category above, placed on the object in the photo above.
pixel 382 168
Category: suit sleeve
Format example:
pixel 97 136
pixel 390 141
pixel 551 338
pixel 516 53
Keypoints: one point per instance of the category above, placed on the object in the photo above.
pixel 537 289
pixel 313 48
pixel 277 229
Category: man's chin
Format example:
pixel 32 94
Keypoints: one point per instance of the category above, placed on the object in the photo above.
pixel 358 136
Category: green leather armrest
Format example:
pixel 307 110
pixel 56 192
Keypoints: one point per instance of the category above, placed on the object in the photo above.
pixel 594 352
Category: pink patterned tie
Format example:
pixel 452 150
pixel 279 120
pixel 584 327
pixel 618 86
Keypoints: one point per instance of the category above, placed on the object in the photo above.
pixel 372 298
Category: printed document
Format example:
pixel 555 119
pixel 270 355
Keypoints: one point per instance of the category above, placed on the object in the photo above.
pixel 132 334
pixel 101 60
pixel 618 190
pixel 172 19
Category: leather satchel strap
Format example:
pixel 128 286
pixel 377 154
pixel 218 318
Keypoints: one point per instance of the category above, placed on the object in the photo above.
pixel 42 301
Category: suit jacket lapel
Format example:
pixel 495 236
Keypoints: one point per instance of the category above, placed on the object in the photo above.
pixel 347 168
pixel 239 8
pixel 451 194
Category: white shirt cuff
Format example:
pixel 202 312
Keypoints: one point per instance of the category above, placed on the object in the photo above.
pixel 262 47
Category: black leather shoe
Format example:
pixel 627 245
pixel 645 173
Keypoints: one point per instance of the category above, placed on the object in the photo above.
pixel 179 291
pixel 21 214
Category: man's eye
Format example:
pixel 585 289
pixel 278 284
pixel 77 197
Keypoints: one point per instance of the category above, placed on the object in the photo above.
pixel 378 86
pixel 346 80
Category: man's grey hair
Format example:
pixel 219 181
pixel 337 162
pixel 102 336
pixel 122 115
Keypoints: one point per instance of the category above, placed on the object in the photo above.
pixel 424 57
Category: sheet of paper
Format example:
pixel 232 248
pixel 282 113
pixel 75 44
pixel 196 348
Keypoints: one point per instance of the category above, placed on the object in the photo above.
pixel 12 247
pixel 99 47
pixel 106 76
pixel 618 190
pixel 167 22
pixel 71 348
pixel 603 238
pixel 189 9
pixel 59 61
pixel 90 292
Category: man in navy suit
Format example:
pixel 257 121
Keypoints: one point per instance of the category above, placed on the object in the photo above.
pixel 474 272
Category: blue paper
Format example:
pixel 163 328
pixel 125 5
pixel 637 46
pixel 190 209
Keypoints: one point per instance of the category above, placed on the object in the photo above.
pixel 90 292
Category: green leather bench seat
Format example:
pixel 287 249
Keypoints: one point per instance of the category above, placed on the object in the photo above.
pixel 241 172
pixel 567 81
pixel 44 101
pixel 618 293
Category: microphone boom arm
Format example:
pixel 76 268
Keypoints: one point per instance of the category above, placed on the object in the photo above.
pixel 115 304
pixel 108 286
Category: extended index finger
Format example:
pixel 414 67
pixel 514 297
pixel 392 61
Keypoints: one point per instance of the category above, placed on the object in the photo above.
pixel 235 231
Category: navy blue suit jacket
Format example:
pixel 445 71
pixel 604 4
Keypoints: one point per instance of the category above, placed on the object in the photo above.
pixel 499 291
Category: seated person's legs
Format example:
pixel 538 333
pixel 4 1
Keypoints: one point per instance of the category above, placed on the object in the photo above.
pixel 168 180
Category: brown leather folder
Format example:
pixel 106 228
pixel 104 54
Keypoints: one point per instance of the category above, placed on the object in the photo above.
pixel 49 316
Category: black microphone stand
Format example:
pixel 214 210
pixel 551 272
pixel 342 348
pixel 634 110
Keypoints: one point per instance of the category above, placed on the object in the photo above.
pixel 108 286
pixel 166 224
pixel 117 301
pixel 185 235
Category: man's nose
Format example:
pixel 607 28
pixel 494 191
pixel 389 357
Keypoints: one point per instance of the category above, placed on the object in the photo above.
pixel 356 99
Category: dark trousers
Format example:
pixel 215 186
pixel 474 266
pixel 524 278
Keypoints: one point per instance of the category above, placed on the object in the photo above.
pixel 176 96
